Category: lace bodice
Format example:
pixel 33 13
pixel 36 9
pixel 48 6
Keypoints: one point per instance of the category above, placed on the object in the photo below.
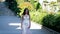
pixel 26 20
pixel 26 17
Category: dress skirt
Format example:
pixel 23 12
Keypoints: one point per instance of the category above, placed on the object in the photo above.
pixel 25 30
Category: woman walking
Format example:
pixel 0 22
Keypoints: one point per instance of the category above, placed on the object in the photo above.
pixel 26 23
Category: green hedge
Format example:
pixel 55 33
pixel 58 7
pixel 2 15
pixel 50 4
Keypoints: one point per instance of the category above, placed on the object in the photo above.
pixel 49 20
pixel 52 21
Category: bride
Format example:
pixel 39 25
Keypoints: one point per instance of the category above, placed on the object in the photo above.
pixel 26 23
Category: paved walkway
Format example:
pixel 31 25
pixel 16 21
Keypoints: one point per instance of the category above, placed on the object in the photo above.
pixel 10 24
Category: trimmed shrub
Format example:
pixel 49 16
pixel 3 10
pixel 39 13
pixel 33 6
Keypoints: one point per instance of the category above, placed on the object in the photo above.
pixel 52 21
pixel 57 23
pixel 49 20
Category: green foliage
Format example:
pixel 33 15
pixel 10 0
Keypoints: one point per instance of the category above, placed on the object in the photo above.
pixel 32 2
pixel 19 1
pixel 49 20
pixel 37 16
pixel 38 6
pixel 52 21
pixel 58 21
pixel 35 4
pixel 12 4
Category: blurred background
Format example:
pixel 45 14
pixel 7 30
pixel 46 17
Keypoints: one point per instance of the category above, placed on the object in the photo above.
pixel 43 12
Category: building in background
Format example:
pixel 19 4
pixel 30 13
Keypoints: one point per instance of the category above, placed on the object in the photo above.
pixel 58 2
pixel 50 5
pixel 2 0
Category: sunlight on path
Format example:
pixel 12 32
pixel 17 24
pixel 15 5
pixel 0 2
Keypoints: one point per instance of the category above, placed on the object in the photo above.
pixel 33 25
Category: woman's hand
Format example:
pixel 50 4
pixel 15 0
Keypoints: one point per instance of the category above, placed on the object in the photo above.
pixel 29 27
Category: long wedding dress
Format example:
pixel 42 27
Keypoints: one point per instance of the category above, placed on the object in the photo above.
pixel 25 25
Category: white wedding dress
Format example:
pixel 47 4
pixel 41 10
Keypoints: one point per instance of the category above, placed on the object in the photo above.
pixel 25 25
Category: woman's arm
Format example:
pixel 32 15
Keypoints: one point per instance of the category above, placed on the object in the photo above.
pixel 29 22
pixel 21 21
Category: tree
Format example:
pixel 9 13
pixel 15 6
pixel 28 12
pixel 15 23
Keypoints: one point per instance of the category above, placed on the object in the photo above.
pixel 12 4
